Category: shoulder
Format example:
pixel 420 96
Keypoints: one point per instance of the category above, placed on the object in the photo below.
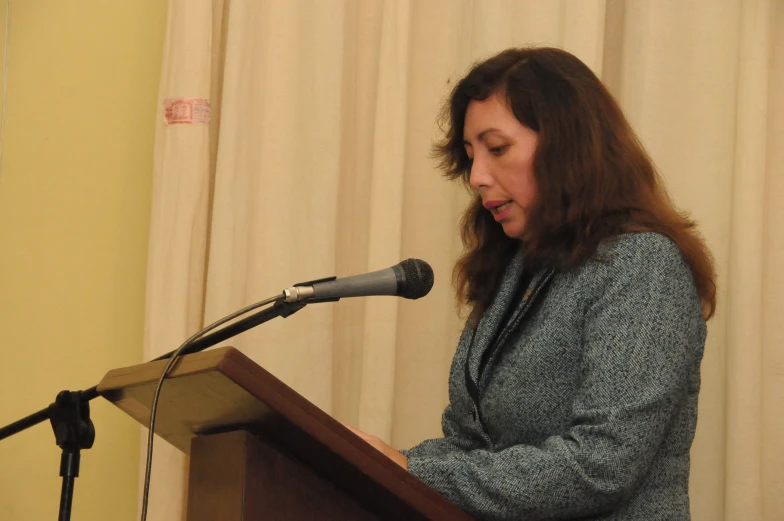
pixel 638 253
pixel 640 249
pixel 643 265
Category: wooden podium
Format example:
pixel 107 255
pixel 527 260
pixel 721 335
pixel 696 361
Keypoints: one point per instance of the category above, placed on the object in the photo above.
pixel 260 451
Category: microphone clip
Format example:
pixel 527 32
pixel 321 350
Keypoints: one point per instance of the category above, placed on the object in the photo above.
pixel 304 291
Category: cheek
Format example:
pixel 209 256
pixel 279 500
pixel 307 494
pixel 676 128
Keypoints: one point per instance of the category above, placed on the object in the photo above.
pixel 525 184
pixel 530 186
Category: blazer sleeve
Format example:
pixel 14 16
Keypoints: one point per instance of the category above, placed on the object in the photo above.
pixel 642 339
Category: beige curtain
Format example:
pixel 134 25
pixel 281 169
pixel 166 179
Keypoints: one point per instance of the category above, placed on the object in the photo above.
pixel 315 163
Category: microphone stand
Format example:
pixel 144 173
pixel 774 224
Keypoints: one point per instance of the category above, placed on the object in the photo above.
pixel 70 412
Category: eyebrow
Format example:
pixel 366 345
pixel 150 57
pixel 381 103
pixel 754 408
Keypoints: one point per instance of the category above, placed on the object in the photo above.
pixel 482 135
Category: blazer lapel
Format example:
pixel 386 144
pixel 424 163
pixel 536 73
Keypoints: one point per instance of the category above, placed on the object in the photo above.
pixel 495 334
pixel 490 322
pixel 535 288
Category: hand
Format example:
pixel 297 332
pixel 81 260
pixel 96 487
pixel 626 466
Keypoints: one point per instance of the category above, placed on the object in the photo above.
pixel 385 449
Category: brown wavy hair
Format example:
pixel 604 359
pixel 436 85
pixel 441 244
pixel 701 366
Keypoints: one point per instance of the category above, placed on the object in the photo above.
pixel 594 178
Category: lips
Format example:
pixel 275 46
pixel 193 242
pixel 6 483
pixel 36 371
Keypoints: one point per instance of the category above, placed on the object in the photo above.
pixel 497 206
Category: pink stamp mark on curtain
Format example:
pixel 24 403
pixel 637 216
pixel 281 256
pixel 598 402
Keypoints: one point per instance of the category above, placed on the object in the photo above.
pixel 186 111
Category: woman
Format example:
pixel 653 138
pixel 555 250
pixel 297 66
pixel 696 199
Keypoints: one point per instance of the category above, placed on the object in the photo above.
pixel 573 391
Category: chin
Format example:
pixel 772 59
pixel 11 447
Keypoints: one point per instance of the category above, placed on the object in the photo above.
pixel 514 230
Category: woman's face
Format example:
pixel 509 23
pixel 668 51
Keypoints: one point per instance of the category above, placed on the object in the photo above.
pixel 501 150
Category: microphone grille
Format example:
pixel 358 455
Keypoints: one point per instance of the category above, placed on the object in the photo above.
pixel 419 278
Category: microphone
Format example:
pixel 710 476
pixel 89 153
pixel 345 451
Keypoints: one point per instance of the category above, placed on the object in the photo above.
pixel 411 279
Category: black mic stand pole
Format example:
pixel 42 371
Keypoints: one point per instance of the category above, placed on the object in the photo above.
pixel 70 412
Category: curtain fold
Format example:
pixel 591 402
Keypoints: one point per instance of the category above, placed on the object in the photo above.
pixel 745 285
pixel 387 204
pixel 179 224
pixel 316 162
pixel 772 301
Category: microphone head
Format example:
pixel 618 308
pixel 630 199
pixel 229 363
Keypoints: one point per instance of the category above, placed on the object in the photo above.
pixel 418 279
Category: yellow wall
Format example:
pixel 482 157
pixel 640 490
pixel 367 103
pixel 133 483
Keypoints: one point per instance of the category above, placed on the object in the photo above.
pixel 75 189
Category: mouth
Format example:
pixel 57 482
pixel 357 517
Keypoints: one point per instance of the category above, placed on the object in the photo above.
pixel 496 207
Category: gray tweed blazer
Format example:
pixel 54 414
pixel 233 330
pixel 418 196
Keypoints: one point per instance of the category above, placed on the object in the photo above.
pixel 587 408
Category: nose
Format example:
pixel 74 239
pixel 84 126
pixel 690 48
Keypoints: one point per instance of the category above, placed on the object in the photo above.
pixel 480 175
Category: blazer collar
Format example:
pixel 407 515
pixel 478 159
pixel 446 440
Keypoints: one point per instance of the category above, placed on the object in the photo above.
pixel 490 330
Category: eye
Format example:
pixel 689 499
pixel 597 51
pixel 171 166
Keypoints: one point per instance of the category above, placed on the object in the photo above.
pixel 497 151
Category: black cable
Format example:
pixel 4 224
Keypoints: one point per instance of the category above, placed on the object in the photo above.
pixel 172 359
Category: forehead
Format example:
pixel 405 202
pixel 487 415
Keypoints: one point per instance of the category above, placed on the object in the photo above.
pixel 492 112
